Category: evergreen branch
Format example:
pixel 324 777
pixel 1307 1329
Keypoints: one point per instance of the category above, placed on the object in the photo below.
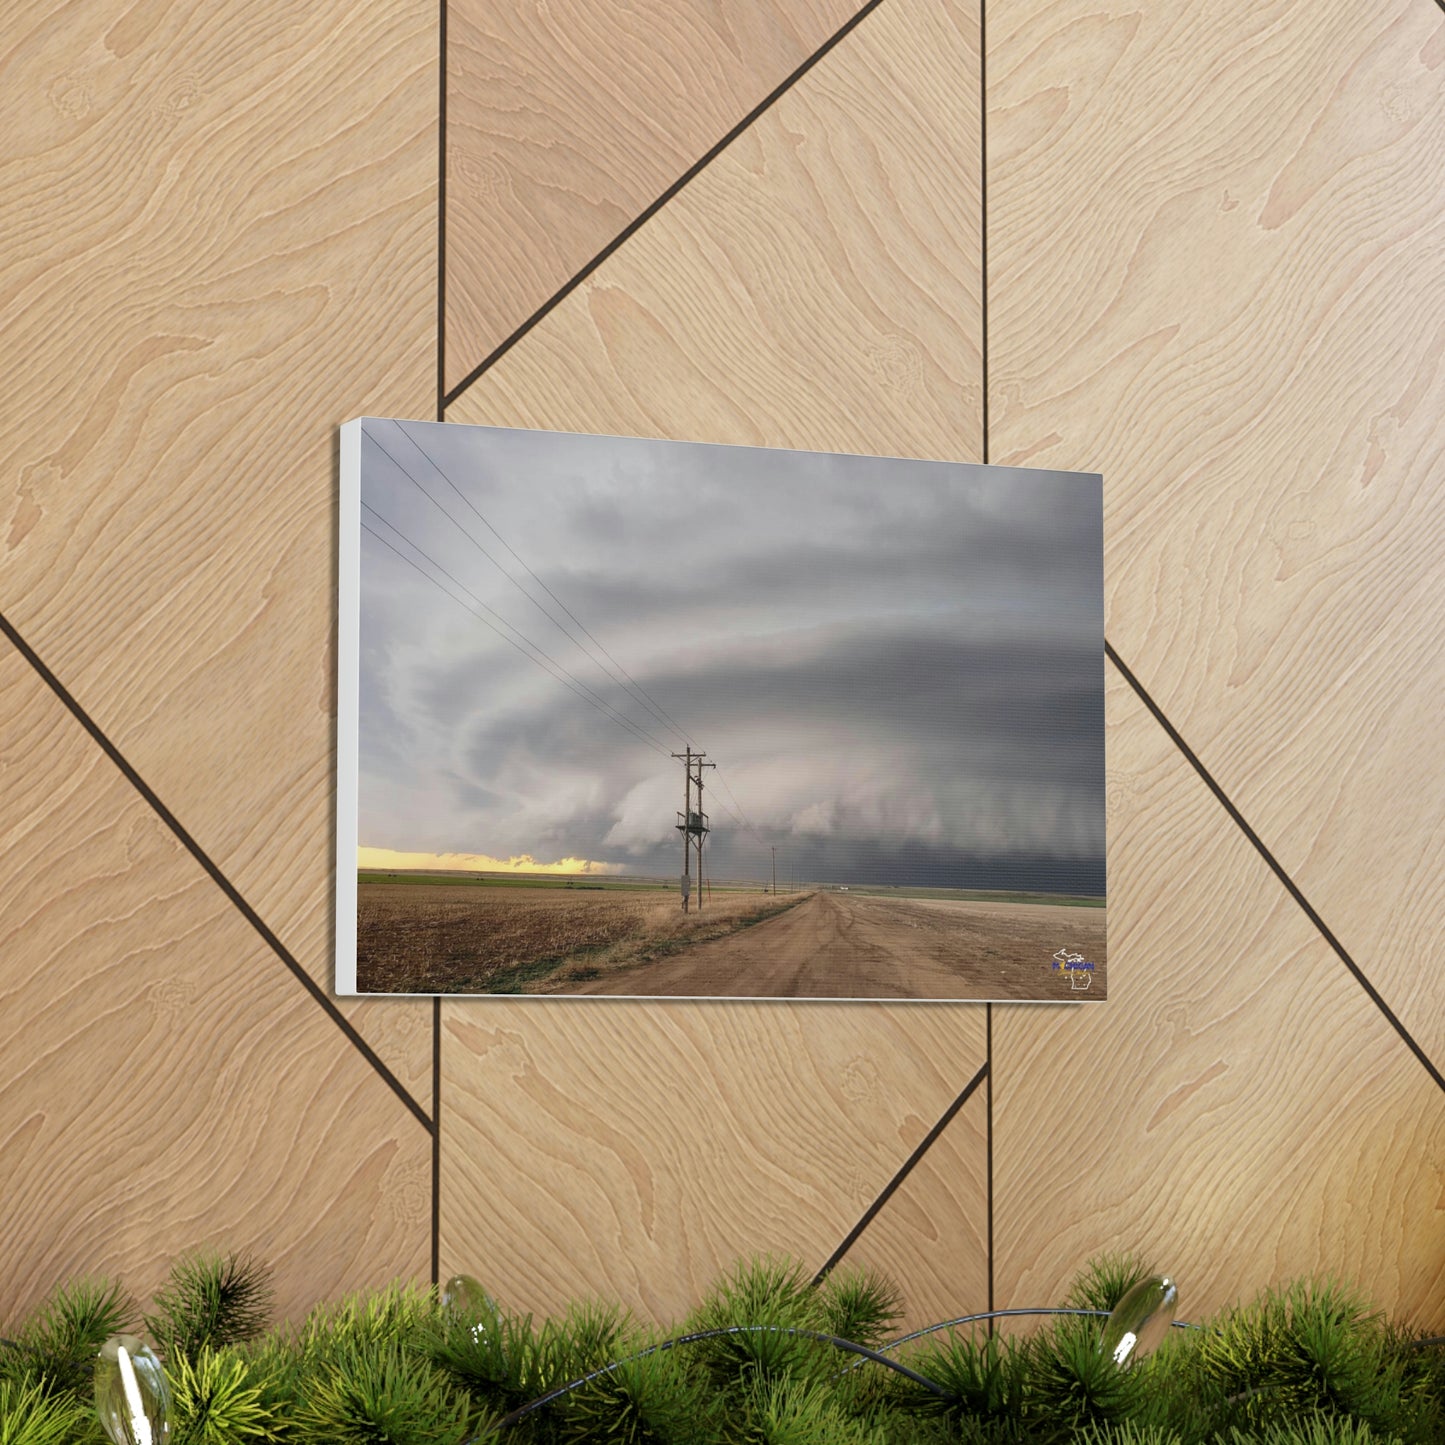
pixel 1105 1280
pixel 210 1301
pixel 700 1335
pixel 1310 1364
pixel 31 1415
pixel 57 1345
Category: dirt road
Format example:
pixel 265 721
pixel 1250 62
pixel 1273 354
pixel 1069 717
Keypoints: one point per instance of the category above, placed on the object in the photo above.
pixel 839 945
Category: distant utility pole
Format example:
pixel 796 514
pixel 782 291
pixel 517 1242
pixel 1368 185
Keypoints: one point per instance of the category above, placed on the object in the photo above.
pixel 775 871
pixel 692 823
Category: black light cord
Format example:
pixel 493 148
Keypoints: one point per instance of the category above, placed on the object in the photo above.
pixel 850 1346
pixel 876 1356
pixel 1001 1314
pixel 836 1341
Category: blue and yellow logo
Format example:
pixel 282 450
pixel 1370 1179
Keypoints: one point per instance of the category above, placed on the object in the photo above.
pixel 1077 968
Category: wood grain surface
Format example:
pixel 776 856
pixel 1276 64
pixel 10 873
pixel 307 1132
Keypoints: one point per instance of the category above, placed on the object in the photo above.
pixel 1215 241
pixel 165 1084
pixel 811 288
pixel 817 286
pixel 219 242
pixel 566 120
pixel 636 1150
pixel 931 1235
pixel 1239 1112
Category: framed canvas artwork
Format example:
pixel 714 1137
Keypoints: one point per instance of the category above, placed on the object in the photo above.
pixel 663 719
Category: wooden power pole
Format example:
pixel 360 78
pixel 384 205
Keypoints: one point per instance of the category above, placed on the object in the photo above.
pixel 692 823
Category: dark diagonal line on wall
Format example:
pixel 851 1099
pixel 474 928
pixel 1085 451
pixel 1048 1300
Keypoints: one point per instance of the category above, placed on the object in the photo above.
pixel 988 1064
pixel 924 1145
pixel 641 220
pixel 219 878
pixel 983 215
pixel 442 212
pixel 1290 886
pixel 983 357
pixel 436 1011
pixel 436 1139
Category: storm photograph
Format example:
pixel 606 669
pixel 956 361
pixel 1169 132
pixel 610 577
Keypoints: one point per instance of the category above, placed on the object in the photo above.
pixel 668 719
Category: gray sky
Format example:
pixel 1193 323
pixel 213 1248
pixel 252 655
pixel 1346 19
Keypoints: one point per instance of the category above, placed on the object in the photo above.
pixel 896 665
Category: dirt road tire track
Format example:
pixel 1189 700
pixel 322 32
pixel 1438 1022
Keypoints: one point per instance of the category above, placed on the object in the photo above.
pixel 851 946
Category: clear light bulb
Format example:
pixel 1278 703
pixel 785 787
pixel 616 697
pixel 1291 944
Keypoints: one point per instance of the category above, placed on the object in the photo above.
pixel 131 1393
pixel 1140 1320
pixel 469 1307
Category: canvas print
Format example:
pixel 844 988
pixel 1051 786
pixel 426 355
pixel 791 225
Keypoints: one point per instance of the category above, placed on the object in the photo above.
pixel 662 719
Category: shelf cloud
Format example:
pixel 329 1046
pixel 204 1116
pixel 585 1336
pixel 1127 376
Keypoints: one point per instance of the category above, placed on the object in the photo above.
pixel 897 666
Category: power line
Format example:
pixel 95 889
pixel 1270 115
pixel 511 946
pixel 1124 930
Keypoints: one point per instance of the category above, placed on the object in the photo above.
pixel 639 691
pixel 630 685
pixel 561 673
pixel 740 815
pixel 741 822
pixel 549 665
pixel 469 538
pixel 743 819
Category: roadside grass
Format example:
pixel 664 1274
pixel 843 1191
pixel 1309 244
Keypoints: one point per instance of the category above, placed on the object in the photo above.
pixel 449 940
pixel 665 934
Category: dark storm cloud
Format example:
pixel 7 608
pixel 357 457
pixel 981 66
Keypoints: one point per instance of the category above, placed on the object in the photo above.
pixel 898 665
pixel 1037 711
pixel 1007 570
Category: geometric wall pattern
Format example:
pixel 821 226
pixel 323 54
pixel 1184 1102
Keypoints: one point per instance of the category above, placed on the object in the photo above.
pixel 1191 247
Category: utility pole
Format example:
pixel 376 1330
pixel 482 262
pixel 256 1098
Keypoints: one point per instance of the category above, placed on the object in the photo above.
pixel 682 827
pixel 702 828
pixel 775 872
pixel 692 823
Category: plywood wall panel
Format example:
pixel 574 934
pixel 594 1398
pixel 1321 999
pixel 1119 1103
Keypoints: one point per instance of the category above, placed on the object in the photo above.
pixel 220 242
pixel 817 286
pixel 566 121
pixel 1239 1112
pixel 636 1150
pixel 165 1083
pixel 931 1234
pixel 1212 232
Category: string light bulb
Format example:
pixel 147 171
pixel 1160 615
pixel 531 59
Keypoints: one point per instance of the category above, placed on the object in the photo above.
pixel 1140 1320
pixel 469 1307
pixel 131 1394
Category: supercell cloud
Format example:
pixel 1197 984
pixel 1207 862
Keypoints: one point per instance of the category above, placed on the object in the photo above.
pixel 896 665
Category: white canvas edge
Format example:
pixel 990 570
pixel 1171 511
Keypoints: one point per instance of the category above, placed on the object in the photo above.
pixel 348 693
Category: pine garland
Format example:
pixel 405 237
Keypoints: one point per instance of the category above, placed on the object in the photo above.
pixel 766 1359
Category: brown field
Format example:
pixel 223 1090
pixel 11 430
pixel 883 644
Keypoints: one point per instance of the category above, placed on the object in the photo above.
pixel 424 938
pixel 419 938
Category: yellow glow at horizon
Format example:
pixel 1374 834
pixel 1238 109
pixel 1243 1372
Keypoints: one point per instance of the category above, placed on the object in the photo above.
pixel 379 860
